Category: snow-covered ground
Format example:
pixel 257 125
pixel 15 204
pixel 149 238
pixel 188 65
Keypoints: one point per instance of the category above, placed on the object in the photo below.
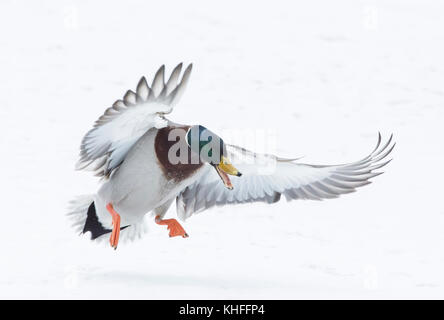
pixel 325 75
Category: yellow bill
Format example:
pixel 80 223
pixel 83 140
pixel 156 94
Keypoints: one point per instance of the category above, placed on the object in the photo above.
pixel 225 168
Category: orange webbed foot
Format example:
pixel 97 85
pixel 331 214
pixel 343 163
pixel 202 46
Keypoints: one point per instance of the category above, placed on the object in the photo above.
pixel 174 226
pixel 114 238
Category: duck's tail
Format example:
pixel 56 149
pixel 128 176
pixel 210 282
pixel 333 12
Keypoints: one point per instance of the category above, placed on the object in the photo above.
pixel 83 214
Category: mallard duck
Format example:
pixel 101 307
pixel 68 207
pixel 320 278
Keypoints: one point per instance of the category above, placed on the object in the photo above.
pixel 147 161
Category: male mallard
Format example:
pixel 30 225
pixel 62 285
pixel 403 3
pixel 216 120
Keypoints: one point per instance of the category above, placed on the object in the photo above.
pixel 147 161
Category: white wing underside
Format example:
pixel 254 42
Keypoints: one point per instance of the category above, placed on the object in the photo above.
pixel 105 146
pixel 266 177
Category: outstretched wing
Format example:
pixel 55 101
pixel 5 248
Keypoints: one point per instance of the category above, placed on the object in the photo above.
pixel 266 177
pixel 105 146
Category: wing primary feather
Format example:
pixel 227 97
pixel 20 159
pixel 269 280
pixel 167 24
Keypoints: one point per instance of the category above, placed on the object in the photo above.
pixel 177 93
pixel 326 189
pixel 158 81
pixel 143 90
pixel 344 185
pixel 345 177
pixel 299 193
pixel 384 147
pixel 380 165
pixel 130 98
pixel 290 195
pixel 322 192
pixel 385 154
pixel 172 81
pixel 119 105
pixel 368 158
pixel 310 192
pixel 378 143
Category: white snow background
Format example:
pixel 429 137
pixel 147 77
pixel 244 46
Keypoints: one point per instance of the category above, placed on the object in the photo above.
pixel 326 76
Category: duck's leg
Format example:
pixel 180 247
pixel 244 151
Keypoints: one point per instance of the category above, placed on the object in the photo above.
pixel 114 239
pixel 173 225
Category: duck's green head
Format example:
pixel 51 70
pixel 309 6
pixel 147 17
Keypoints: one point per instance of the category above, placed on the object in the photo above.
pixel 211 149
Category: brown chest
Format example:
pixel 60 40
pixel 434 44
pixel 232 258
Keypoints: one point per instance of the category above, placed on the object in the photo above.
pixel 174 155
